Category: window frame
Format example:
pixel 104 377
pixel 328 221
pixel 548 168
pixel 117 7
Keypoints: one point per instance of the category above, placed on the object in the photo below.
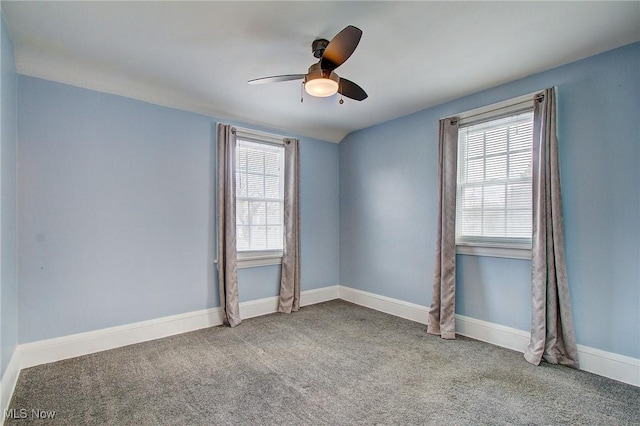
pixel 257 258
pixel 499 247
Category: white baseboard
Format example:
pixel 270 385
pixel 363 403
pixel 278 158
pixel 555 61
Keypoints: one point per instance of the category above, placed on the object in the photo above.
pixel 496 334
pixel 269 305
pixel 319 295
pixel 9 380
pixel 59 348
pixel 259 307
pixel 608 364
pixel 51 350
pixel 398 308
pixel 618 367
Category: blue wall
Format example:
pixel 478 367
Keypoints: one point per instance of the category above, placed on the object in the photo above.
pixel 117 211
pixel 388 206
pixel 116 207
pixel 8 219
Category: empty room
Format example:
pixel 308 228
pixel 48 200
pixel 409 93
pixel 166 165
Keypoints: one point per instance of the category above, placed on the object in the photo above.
pixel 319 213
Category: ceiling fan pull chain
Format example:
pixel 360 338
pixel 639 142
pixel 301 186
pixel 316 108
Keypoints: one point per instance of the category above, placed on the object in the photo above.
pixel 302 92
pixel 341 101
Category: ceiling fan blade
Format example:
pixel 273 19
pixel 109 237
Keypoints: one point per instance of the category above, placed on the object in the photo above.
pixel 276 78
pixel 340 48
pixel 351 90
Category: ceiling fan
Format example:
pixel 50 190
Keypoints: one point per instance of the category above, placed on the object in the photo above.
pixel 321 80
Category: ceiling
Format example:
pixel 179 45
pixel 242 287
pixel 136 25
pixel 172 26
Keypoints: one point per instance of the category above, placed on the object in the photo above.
pixel 198 56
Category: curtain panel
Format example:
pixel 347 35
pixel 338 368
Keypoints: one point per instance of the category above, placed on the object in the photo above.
pixel 442 319
pixel 289 300
pixel 226 207
pixel 552 333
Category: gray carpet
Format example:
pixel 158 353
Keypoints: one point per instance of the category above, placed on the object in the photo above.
pixel 333 363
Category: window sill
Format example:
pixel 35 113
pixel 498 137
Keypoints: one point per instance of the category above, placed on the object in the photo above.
pixel 488 251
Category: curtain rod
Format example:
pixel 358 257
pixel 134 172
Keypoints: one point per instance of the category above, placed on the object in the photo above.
pixel 539 97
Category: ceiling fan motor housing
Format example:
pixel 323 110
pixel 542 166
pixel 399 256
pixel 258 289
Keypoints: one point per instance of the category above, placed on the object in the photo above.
pixel 318 46
pixel 316 72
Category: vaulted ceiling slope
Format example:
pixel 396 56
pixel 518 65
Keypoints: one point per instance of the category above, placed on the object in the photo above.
pixel 198 56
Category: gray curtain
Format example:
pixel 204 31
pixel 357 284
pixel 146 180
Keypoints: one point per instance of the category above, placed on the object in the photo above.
pixel 442 319
pixel 552 335
pixel 226 206
pixel 290 280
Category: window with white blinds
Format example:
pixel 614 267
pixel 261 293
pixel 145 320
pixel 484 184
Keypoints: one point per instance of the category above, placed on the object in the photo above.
pixel 259 196
pixel 494 191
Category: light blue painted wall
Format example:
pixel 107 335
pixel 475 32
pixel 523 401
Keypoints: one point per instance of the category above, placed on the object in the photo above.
pixel 388 206
pixel 319 226
pixel 116 210
pixel 117 218
pixel 8 219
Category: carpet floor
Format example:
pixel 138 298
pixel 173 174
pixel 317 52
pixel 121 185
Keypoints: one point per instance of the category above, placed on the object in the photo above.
pixel 333 363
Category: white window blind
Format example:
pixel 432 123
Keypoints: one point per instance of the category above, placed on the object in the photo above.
pixel 494 191
pixel 259 196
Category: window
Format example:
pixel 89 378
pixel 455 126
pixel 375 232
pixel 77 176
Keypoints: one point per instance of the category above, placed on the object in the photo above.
pixel 259 200
pixel 494 186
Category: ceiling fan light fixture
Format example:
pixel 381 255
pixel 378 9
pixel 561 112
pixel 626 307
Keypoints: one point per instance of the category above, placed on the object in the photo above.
pixel 321 87
pixel 321 83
